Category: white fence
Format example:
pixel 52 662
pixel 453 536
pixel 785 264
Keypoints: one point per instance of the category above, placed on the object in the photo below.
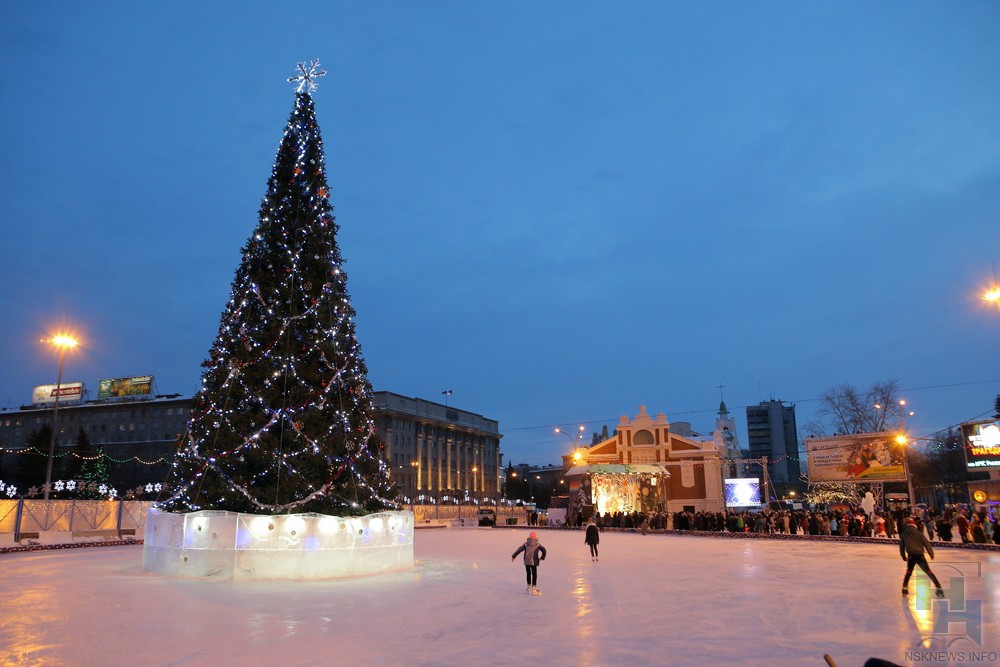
pixel 53 521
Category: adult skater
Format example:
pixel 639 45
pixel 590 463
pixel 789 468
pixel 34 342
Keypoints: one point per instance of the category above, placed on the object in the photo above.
pixel 534 553
pixel 592 538
pixel 912 544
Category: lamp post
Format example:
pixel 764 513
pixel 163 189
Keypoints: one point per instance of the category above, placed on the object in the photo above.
pixel 63 342
pixel 415 478
pixel 901 414
pixel 993 295
pixel 575 439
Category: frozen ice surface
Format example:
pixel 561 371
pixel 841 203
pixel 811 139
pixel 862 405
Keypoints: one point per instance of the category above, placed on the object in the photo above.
pixel 651 600
pixel 228 545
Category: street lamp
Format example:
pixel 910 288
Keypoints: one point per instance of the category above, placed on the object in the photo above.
pixel 415 477
pixel 63 343
pixel 901 439
pixel 993 295
pixel 901 414
pixel 575 439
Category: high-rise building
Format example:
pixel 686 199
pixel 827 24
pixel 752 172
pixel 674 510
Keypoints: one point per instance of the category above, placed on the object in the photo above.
pixel 772 433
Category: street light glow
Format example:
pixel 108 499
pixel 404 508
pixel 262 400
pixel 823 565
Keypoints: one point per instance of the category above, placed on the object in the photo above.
pixel 63 341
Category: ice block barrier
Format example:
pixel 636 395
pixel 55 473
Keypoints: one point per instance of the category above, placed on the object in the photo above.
pixel 215 544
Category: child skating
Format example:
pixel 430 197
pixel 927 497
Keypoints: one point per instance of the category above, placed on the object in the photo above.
pixel 534 553
pixel 912 544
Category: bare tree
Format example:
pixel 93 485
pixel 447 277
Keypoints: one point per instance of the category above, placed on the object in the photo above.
pixel 846 409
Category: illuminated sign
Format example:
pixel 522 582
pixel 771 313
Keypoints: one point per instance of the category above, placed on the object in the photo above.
pixel 69 392
pixel 982 444
pixel 141 385
pixel 866 457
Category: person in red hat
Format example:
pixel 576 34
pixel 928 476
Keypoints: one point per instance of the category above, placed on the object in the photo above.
pixel 534 553
pixel 912 545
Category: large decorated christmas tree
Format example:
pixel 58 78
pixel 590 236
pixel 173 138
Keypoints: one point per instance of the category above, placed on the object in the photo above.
pixel 283 421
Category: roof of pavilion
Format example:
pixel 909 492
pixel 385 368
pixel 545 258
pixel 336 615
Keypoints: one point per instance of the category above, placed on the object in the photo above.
pixel 618 469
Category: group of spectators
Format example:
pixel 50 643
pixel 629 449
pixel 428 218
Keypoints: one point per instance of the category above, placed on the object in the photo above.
pixel 950 525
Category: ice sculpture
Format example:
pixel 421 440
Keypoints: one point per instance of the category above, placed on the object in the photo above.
pixel 227 545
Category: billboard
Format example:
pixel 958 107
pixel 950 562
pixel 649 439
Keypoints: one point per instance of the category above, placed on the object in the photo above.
pixel 742 491
pixel 140 385
pixel 866 457
pixel 982 444
pixel 69 392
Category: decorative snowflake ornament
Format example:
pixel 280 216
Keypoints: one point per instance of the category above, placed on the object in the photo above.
pixel 306 78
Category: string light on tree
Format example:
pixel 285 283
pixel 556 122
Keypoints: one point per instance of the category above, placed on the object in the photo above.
pixel 284 418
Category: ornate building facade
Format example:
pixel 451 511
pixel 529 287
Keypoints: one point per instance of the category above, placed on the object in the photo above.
pixel 657 469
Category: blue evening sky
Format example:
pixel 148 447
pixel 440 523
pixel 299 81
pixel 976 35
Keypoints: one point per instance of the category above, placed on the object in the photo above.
pixel 559 210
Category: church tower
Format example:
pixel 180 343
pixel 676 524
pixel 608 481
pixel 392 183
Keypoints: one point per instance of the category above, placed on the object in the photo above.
pixel 726 439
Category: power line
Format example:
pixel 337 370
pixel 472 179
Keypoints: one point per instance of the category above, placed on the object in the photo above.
pixel 743 407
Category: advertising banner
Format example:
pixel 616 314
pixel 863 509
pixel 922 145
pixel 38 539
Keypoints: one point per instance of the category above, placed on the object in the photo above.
pixel 69 392
pixel 141 385
pixel 982 444
pixel 867 457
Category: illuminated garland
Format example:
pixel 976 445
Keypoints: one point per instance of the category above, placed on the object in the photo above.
pixel 80 487
pixel 284 418
pixel 96 457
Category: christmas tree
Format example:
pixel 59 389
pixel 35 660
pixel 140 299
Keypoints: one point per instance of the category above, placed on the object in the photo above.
pixel 284 419
pixel 87 466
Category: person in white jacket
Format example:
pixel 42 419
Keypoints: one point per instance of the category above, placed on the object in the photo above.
pixel 534 553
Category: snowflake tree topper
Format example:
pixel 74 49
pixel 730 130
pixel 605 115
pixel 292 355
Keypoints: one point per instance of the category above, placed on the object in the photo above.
pixel 307 77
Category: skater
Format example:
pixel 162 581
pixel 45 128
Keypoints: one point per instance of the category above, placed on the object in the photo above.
pixel 534 553
pixel 912 544
pixel 592 538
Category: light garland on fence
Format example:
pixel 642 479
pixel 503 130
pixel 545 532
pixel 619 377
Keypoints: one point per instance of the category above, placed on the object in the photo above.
pixel 81 486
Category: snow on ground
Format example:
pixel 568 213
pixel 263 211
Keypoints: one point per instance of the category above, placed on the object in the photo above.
pixel 651 600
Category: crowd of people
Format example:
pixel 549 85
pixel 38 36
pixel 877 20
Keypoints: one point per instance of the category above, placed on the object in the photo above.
pixel 953 524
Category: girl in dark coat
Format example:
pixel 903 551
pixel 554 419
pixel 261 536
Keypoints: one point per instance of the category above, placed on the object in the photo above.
pixel 592 538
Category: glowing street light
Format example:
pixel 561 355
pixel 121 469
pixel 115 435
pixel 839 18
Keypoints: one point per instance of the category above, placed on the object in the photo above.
pixel 575 440
pixel 63 342
pixel 993 295
pixel 901 414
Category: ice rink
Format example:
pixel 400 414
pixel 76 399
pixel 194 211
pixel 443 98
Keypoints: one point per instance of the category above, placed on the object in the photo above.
pixel 651 600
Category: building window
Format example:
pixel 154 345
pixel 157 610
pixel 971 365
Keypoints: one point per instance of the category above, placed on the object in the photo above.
pixel 642 437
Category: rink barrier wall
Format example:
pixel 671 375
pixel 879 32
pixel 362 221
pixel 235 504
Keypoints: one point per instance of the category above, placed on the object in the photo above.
pixel 68 521
pixel 841 539
pixel 233 546
pixel 29 524
pixel 61 521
